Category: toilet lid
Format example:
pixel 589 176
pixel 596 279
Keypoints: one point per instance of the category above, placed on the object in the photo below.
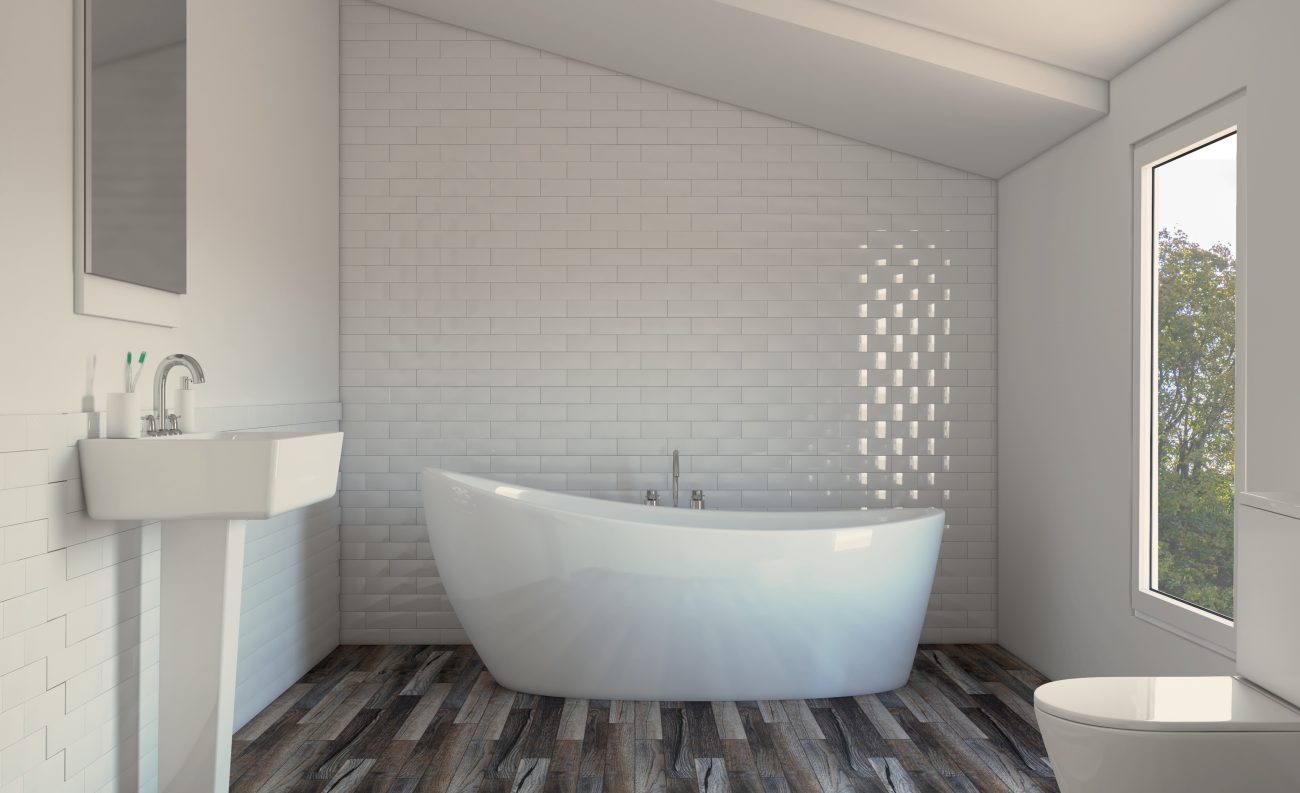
pixel 1166 704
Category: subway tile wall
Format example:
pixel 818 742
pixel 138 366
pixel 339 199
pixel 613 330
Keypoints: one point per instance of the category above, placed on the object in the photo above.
pixel 554 274
pixel 79 609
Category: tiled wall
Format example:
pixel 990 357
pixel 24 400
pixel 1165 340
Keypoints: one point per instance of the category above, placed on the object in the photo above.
pixel 79 609
pixel 554 274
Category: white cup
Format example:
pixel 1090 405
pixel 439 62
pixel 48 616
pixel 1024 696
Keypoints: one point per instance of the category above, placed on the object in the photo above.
pixel 124 415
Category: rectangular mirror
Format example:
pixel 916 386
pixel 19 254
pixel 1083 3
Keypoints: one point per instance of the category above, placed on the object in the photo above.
pixel 131 156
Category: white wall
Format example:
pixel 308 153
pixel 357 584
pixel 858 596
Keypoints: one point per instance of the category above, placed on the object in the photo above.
pixel 1065 434
pixel 78 598
pixel 555 274
pixel 261 314
pixel 1273 173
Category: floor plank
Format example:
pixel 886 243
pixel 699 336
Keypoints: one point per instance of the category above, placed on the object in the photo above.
pixel 649 771
pixel 711 775
pixel 449 742
pixel 648 721
pixel 573 720
pixel 620 758
pixel 728 720
pixel 761 744
pixel 404 719
pixel 562 774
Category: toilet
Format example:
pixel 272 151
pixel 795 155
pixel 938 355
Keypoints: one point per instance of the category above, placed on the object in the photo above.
pixel 1167 734
pixel 1224 734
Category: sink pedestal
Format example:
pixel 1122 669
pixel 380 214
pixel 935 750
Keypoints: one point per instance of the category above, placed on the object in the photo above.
pixel 201 580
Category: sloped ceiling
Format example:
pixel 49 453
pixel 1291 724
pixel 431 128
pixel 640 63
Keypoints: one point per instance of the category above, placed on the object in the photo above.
pixel 825 64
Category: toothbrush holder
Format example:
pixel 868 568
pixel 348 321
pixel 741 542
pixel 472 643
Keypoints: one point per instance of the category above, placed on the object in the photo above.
pixel 124 415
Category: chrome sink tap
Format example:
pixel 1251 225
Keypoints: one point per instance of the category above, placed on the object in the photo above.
pixel 169 424
pixel 677 474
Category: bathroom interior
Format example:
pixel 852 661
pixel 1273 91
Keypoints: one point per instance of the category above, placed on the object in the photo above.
pixel 814 396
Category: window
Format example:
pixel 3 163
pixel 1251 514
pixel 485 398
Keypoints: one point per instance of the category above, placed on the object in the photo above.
pixel 1190 266
pixel 1193 474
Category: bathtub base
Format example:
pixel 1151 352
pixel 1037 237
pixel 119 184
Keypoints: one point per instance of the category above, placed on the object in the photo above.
pixel 698 688
pixel 604 636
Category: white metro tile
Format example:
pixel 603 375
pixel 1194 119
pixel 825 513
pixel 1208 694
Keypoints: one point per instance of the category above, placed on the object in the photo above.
pixel 24 469
pixel 13 433
pixel 20 613
pixel 23 540
pixel 583 285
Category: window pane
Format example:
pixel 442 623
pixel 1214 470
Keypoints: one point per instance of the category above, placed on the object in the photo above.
pixel 1195 216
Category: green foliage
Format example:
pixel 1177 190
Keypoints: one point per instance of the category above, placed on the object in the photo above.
pixel 1196 396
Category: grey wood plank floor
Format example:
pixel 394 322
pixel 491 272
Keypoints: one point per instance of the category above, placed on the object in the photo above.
pixel 401 719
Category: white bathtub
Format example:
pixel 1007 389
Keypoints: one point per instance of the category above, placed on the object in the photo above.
pixel 577 597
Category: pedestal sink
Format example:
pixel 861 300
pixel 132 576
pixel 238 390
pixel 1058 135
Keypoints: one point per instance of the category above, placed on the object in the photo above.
pixel 203 488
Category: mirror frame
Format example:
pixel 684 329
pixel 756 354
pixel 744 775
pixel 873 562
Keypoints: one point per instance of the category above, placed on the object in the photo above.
pixel 96 295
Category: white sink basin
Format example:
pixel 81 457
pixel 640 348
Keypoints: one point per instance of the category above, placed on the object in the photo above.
pixel 226 475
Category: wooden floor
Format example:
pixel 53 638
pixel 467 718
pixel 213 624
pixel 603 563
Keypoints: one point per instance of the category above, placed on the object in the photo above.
pixel 400 719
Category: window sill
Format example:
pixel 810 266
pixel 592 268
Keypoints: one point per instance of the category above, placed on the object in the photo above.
pixel 1212 632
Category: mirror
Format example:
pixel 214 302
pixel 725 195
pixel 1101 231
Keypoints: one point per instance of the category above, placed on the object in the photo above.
pixel 131 146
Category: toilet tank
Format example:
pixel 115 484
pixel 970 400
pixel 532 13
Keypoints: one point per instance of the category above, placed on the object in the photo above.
pixel 1268 592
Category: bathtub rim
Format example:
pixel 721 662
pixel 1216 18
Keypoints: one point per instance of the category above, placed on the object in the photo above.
pixel 633 513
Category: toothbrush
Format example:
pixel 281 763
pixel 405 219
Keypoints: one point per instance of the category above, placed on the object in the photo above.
pixel 133 372
pixel 138 371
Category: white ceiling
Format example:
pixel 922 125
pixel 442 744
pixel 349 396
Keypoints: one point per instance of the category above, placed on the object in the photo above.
pixel 1096 37
pixel 963 97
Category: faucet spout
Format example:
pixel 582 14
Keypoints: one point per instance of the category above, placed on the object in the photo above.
pixel 677 473
pixel 160 384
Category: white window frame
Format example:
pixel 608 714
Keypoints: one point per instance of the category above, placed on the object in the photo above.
pixel 1229 115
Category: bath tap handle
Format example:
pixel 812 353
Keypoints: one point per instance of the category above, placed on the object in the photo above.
pixel 677 474
pixel 652 498
pixel 697 499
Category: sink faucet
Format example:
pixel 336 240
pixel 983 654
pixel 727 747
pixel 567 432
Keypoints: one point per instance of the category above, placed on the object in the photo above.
pixel 160 391
pixel 677 474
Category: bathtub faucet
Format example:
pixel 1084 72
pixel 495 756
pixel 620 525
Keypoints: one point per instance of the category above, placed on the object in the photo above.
pixel 677 474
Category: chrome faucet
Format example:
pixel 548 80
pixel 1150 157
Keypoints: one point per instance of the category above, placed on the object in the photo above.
pixel 168 424
pixel 677 474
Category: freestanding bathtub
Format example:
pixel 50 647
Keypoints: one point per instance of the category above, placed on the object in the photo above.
pixel 577 597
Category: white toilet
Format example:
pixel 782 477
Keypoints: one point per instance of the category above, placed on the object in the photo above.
pixel 1167 734
pixel 1238 734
